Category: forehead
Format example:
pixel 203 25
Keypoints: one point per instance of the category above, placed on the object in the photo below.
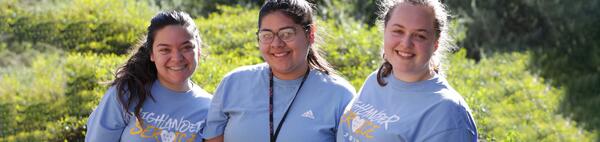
pixel 412 17
pixel 172 34
pixel 276 20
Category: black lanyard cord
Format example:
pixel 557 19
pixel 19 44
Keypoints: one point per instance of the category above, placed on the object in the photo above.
pixel 274 135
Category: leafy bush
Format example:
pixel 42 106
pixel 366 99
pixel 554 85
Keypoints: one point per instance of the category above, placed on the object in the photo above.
pixel 50 97
pixel 109 26
pixel 509 103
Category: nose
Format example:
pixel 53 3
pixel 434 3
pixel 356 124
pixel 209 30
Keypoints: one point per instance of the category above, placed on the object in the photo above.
pixel 277 42
pixel 406 41
pixel 177 56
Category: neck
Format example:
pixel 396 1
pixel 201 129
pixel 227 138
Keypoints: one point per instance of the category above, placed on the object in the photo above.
pixel 180 87
pixel 291 75
pixel 413 77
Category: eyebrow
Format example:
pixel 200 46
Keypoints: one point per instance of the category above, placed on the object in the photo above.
pixel 286 27
pixel 418 30
pixel 164 44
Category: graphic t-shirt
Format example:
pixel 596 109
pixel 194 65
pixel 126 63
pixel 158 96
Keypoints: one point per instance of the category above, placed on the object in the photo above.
pixel 167 116
pixel 240 108
pixel 428 110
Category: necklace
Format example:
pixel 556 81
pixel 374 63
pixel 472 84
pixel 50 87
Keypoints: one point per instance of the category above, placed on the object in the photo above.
pixel 276 133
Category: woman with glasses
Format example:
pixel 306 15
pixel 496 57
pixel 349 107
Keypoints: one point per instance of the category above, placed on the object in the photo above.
pixel 294 96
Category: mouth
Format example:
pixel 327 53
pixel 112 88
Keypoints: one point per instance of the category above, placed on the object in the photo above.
pixel 280 54
pixel 404 54
pixel 177 68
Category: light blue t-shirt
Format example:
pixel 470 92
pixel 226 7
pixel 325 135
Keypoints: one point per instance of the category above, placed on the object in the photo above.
pixel 239 110
pixel 170 116
pixel 428 110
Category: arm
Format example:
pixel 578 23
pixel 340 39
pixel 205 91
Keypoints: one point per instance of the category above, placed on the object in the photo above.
pixel 216 119
pixel 107 121
pixel 454 135
pixel 216 139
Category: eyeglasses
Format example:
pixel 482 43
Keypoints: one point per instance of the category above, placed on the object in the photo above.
pixel 286 34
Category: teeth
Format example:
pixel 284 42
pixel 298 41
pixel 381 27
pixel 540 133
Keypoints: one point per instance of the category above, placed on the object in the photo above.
pixel 280 54
pixel 178 68
pixel 404 54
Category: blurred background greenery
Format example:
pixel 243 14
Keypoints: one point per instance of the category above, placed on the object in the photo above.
pixel 529 69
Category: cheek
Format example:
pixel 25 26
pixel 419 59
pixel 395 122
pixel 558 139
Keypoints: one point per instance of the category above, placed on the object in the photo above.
pixel 301 46
pixel 389 43
pixel 264 48
pixel 263 51
pixel 427 48
pixel 192 56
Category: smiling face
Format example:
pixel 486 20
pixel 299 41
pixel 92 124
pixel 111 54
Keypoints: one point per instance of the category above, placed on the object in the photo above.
pixel 287 59
pixel 175 54
pixel 410 41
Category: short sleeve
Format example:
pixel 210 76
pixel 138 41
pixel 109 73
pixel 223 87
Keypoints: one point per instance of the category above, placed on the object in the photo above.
pixel 107 121
pixel 348 95
pixel 454 135
pixel 216 119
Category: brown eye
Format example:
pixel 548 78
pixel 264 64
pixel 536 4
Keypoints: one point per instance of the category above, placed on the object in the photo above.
pixel 420 37
pixel 286 34
pixel 265 36
pixel 397 32
pixel 163 51
pixel 188 48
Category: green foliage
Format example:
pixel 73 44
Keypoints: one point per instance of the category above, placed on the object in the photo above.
pixel 228 44
pixel 510 104
pixel 47 95
pixel 561 34
pixel 109 26
pixel 570 59
pixel 52 99
pixel 364 11
pixel 352 48
pixel 203 8
pixel 500 25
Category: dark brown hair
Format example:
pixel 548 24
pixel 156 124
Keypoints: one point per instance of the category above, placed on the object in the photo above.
pixel 301 12
pixel 134 79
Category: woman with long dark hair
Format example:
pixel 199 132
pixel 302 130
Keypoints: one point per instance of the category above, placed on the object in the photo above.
pixel 294 96
pixel 153 97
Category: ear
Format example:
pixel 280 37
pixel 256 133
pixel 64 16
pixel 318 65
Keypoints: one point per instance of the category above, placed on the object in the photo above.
pixel 151 56
pixel 311 33
pixel 435 47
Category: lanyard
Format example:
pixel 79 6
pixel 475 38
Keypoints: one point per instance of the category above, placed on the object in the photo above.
pixel 274 135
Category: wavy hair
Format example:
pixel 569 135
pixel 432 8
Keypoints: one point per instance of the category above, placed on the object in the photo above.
pixel 134 79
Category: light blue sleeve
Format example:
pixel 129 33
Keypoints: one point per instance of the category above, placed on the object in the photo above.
pixel 454 135
pixel 454 121
pixel 349 94
pixel 216 119
pixel 107 121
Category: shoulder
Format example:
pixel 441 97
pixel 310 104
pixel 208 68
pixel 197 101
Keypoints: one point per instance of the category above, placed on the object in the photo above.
pixel 334 82
pixel 247 71
pixel 452 109
pixel 452 116
pixel 112 95
pixel 372 78
pixel 201 97
pixel 370 83
pixel 200 93
pixel 450 97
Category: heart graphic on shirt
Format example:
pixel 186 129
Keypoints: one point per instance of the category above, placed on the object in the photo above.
pixel 167 136
pixel 357 122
